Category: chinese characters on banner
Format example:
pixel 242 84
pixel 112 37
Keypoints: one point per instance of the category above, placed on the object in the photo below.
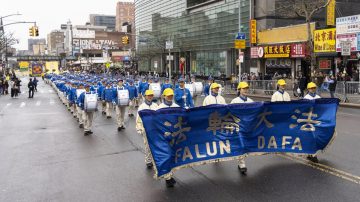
pixel 325 64
pixel 324 40
pixel 253 33
pixel 330 13
pixel 298 50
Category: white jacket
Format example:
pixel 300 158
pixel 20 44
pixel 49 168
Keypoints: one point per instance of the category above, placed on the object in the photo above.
pixel 139 123
pixel 162 105
pixel 211 100
pixel 238 100
pixel 309 97
pixel 279 97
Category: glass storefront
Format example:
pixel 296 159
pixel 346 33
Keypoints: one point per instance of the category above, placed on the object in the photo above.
pixel 204 35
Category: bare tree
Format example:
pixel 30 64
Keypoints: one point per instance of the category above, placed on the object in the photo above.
pixel 6 40
pixel 306 9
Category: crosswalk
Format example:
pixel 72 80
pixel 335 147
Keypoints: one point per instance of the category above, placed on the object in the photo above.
pixel 28 104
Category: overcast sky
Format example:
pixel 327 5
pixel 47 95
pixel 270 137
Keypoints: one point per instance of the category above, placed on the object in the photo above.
pixel 50 14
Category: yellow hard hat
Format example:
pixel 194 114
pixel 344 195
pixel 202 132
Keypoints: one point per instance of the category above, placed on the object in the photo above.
pixel 214 85
pixel 281 82
pixel 149 92
pixel 168 92
pixel 243 84
pixel 311 85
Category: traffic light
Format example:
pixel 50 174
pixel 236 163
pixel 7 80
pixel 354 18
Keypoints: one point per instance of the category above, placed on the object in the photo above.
pixel 125 40
pixel 31 31
pixel 36 29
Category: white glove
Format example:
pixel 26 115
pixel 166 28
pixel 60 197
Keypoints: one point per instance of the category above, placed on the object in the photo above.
pixel 140 131
pixel 183 97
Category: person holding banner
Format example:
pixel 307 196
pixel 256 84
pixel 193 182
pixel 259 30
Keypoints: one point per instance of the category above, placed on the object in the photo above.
pixel 243 89
pixel 168 102
pixel 87 115
pixel 281 95
pixel 214 97
pixel 120 109
pixel 147 104
pixel 182 96
pixel 312 96
pixel 168 99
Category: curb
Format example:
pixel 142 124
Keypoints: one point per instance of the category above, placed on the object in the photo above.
pixel 345 105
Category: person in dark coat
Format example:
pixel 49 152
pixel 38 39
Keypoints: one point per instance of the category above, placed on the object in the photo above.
pixel 332 86
pixel 35 81
pixel 302 85
pixel 31 87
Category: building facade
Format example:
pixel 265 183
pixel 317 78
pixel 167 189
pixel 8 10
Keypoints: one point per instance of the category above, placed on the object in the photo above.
pixel 56 40
pixel 125 12
pixel 103 20
pixel 37 46
pixel 202 32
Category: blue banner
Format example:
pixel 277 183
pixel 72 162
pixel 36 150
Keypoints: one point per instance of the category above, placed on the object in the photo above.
pixel 179 138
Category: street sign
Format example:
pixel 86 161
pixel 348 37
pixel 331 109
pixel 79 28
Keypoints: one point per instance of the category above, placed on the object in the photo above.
pixel 240 43
pixel 346 48
pixel 169 57
pixel 241 57
pixel 169 45
pixel 241 35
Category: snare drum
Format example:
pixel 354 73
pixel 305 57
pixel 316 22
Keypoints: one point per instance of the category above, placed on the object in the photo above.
pixel 123 97
pixel 156 88
pixel 90 104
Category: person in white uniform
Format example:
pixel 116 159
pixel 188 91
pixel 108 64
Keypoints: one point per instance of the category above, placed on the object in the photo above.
pixel 243 89
pixel 281 95
pixel 168 102
pixel 147 104
pixel 312 96
pixel 214 97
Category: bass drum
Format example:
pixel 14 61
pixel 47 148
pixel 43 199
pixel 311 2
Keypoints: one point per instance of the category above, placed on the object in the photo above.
pixel 123 97
pixel 156 88
pixel 79 91
pixel 191 88
pixel 90 102
pixel 198 86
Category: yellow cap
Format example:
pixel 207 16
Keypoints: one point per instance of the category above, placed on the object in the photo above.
pixel 214 85
pixel 149 92
pixel 168 92
pixel 311 85
pixel 243 85
pixel 281 82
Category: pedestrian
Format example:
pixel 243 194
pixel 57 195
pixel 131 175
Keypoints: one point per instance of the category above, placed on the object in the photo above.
pixel 214 97
pixel 207 86
pixel 120 108
pixel 31 87
pixel 243 90
pixel 147 104
pixel 1 86
pixel 183 96
pixel 312 96
pixel 302 85
pixel 14 88
pixel 332 86
pixel 87 115
pixel 35 81
pixel 281 95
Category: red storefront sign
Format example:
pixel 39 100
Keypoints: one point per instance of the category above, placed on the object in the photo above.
pixel 298 50
pixel 325 64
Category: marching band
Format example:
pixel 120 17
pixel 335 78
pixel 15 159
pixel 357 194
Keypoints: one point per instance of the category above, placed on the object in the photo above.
pixel 83 92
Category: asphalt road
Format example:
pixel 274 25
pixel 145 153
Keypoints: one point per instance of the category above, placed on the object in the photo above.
pixel 45 157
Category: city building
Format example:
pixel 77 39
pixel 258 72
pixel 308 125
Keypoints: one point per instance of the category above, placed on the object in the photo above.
pixel 37 46
pixel 202 32
pixel 103 20
pixel 56 40
pixel 125 12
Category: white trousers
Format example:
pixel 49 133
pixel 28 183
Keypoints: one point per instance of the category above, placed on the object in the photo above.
pixel 88 119
pixel 120 114
pixel 109 108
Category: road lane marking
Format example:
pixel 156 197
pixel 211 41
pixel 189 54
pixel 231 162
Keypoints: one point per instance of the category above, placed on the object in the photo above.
pixel 51 91
pixel 52 102
pixel 38 103
pixel 324 168
pixel 22 104
pixel 6 106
